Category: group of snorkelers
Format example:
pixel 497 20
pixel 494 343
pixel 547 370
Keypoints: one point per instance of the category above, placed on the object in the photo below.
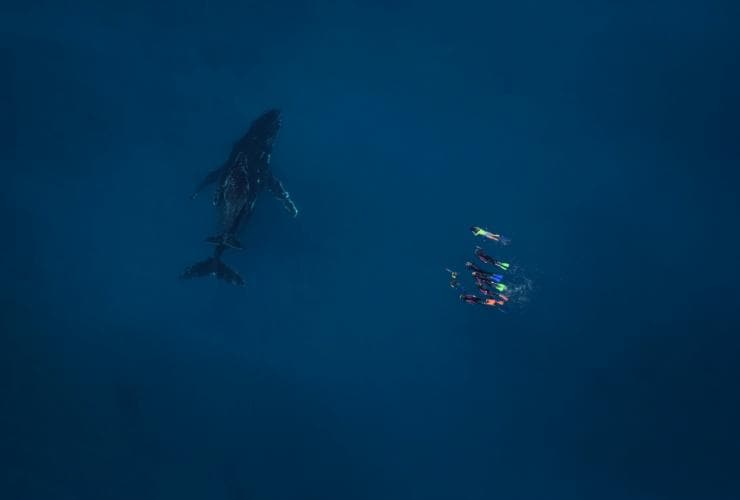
pixel 491 289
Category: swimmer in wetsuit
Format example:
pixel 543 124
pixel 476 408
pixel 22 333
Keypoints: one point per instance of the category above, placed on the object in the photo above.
pixel 469 298
pixel 477 231
pixel 454 283
pixel 487 259
pixel 476 270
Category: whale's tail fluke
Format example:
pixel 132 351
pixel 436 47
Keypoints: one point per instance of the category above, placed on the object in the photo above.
pixel 213 266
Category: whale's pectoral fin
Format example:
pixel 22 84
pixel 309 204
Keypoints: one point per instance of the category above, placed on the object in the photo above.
pixel 209 179
pixel 277 189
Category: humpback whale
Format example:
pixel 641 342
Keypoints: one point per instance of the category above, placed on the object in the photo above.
pixel 238 181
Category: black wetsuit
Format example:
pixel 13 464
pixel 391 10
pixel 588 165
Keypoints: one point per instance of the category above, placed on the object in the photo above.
pixel 475 269
pixel 470 298
pixel 486 259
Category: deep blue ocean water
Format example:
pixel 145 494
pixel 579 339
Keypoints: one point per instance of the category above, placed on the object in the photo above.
pixel 602 138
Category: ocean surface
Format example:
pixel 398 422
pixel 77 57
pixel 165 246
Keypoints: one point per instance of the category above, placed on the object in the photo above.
pixel 601 137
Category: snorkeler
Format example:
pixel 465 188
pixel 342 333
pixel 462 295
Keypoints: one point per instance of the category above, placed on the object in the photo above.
pixel 477 231
pixel 469 298
pixel 481 280
pixel 489 278
pixel 475 269
pixel 487 281
pixel 482 277
pixel 454 283
pixel 493 302
pixel 487 259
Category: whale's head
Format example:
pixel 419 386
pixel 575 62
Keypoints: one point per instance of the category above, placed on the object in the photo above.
pixel 265 128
